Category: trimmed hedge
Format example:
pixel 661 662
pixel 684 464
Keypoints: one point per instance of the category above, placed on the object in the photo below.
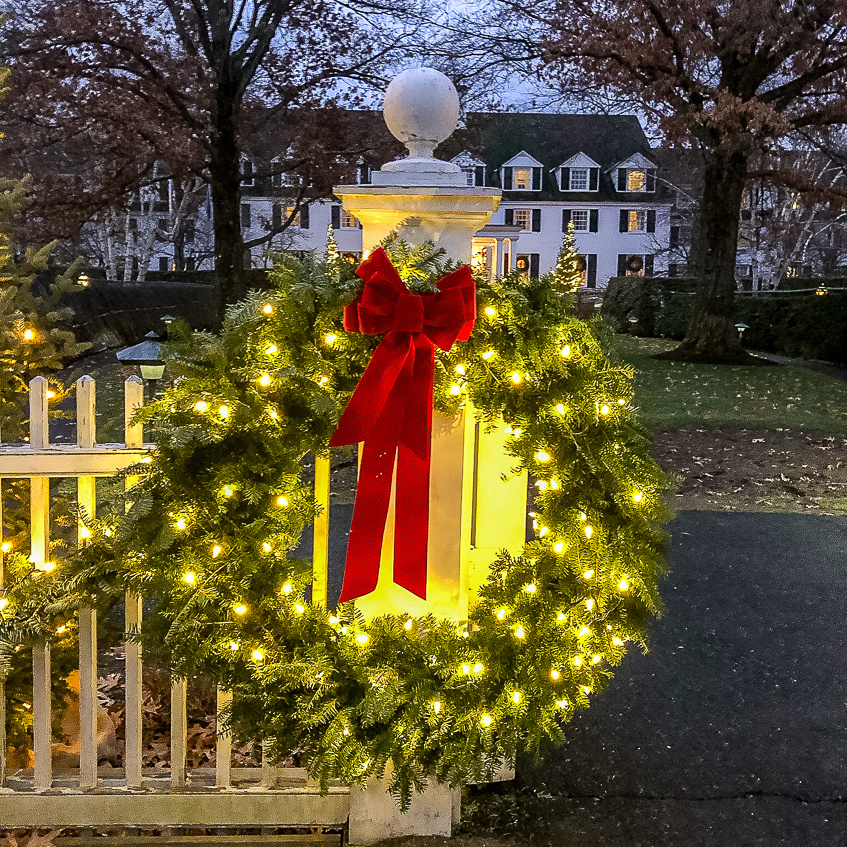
pixel 800 324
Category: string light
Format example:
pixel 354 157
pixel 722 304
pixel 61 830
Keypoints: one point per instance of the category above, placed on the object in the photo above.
pixel 6 547
pixel 577 661
pixel 286 589
pixel 29 335
pixel 478 668
pixel 604 409
pixel 501 613
pixel 617 642
pixel 201 406
pixel 516 432
pixel 234 645
pixel 50 395
pixel 330 338
pixel 637 497
pixel 544 531
pixel 190 577
pixel 224 412
pixel 272 414
pixel 461 370
pixel 516 377
pixel 487 720
pixel 589 531
pixel 588 574
pixel 180 524
pixel 267 309
pixel 436 706
pixel 48 566
pixel 560 408
pixel 516 697
pixel 408 625
pixel 562 704
pixel 227 491
pixel 272 350
pixel 240 609
pixel 265 380
pixel 334 620
pixel 216 551
pixel 584 632
pixel 596 658
pixel 519 632
pixel 558 547
pixel 466 669
pixel 623 585
pixel 282 501
pixel 487 354
pixel 257 655
pixel 455 390
pixel 555 675
pixel 323 380
pixel 530 588
pixel 490 311
pixel 561 616
pixel 554 485
pixel 362 638
pixel 621 402
pixel 61 629
pixel 542 456
pixel 566 351
pixel 84 532
pixel 589 604
pixel 300 608
pixel 266 547
pixel 147 460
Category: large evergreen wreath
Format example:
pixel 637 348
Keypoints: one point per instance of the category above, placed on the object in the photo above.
pixel 220 503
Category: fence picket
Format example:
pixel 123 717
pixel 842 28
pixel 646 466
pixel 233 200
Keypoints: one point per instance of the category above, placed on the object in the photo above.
pixel 223 743
pixel 41 733
pixel 179 731
pixel 132 691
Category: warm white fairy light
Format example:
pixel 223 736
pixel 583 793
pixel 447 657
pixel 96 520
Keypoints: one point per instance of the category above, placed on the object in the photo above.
pixel 596 659
pixel 516 697
pixel 516 377
pixel 561 617
pixel 226 491
pixel 560 408
pixel 436 706
pixel 223 411
pixel 617 642
pixel 282 501
pixel 577 661
pixel 589 531
pixel 239 609
pixel 362 638
pixel 234 645
pixel 487 720
pixel 589 604
pixel 584 632
pixel 272 350
pixel 588 574
pixel 265 380
pixel 4 601
pixel 501 613
pixel 542 456
pixel 461 370
pixel 637 497
pixel 466 669
pixel 216 551
pixel 555 675
pixel 180 524
pixel 6 547
pixel 272 413
pixel 323 380
pixel 519 632
pixel 541 485
pixel 604 409
pixel 490 311
pixel 487 354
pixel 257 655
pixel 266 547
pixel 623 585
pixel 558 547
pixel 455 390
pixel 530 588
pixel 190 577
pixel 286 589
pixel 84 532
pixel 330 338
pixel 300 608
pixel 566 351
pixel 201 406
pixel 267 309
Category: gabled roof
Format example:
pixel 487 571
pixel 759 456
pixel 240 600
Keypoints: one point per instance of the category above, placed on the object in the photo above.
pixel 634 161
pixel 522 160
pixel 467 160
pixel 580 160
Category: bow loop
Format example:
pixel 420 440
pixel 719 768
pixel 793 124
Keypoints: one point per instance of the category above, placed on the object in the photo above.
pixel 391 412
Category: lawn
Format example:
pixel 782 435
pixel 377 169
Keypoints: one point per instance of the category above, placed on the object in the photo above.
pixel 673 395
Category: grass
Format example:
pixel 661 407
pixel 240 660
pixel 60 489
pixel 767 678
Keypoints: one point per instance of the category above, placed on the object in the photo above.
pixel 673 395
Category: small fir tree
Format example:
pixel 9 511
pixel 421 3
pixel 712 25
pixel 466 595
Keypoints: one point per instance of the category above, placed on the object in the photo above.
pixel 566 276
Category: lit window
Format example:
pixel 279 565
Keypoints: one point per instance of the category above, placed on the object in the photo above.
pixel 580 220
pixel 522 179
pixel 296 219
pixel 635 180
pixel 579 179
pixel 522 218
pixel 637 221
pixel 347 220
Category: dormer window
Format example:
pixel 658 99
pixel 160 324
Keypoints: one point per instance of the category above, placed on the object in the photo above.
pixel 363 174
pixel 635 180
pixel 636 177
pixel 521 173
pixel 472 168
pixel 579 173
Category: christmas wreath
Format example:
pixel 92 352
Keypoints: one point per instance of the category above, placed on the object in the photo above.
pixel 216 509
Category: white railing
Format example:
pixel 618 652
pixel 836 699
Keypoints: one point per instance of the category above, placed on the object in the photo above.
pixel 25 801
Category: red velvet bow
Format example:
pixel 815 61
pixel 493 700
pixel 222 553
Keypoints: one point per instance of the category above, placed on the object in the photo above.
pixel 391 412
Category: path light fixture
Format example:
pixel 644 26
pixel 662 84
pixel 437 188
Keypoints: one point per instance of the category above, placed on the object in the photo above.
pixel 147 356
pixel 741 327
pixel 84 280
pixel 821 290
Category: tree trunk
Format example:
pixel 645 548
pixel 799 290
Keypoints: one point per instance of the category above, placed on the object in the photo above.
pixel 712 336
pixel 226 199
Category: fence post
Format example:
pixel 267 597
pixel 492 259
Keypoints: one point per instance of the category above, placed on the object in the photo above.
pixel 320 553
pixel 86 497
pixel 133 399
pixel 223 742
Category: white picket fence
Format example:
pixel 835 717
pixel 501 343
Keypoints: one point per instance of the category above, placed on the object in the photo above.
pixel 226 797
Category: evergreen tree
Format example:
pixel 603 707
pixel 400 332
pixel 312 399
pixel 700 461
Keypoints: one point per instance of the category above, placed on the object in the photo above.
pixel 567 274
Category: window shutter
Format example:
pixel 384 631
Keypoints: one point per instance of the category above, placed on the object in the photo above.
pixel 648 266
pixel 533 265
pixel 536 220
pixel 335 215
pixel 304 216
pixel 622 264
pixel 624 227
pixel 651 179
pixel 593 180
pixel 566 219
pixel 510 213
pixel 651 220
pixel 621 179
pixel 591 271
pixel 674 239
pixel 507 179
pixel 479 175
pixel 276 216
pixel 245 215
pixel 565 179
pixel 536 179
pixel 364 174
pixel 593 220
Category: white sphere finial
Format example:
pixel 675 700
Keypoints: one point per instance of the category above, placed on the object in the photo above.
pixel 421 109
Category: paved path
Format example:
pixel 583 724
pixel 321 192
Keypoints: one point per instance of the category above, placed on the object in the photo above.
pixel 731 731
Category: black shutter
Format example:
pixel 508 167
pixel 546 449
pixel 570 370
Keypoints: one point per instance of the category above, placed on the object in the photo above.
pixel 674 240
pixel 533 265
pixel 510 216
pixel 621 179
pixel 566 219
pixel 593 220
pixel 536 179
pixel 622 264
pixel 335 216
pixel 624 223
pixel 651 220
pixel 651 179
pixel 591 270
pixel 536 220
pixel 479 175
pixel 276 216
pixel 565 179
pixel 648 266
pixel 507 179
pixel 593 180
pixel 364 174
pixel 304 216
pixel 245 215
